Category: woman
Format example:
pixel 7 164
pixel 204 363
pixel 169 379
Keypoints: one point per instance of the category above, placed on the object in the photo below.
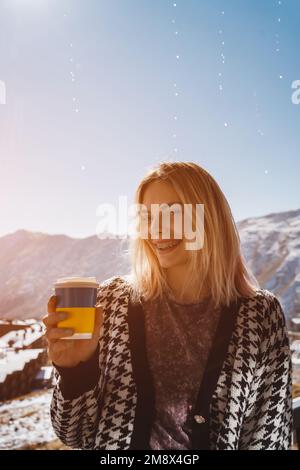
pixel 188 352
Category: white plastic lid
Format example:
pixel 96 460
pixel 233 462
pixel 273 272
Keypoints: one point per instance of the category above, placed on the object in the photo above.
pixel 76 282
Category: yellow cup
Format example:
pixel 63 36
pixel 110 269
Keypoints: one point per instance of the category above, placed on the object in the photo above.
pixel 77 296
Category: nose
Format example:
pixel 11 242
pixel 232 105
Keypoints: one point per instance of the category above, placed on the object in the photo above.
pixel 160 227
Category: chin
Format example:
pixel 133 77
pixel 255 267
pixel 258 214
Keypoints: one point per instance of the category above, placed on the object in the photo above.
pixel 169 263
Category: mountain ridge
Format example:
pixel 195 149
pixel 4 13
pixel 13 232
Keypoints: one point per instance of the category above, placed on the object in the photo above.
pixel 31 261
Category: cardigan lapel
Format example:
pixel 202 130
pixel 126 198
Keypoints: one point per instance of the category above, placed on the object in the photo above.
pixel 223 334
pixel 141 371
pixel 145 407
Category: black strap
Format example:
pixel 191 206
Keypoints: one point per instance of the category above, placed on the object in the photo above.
pixel 144 413
pixel 200 431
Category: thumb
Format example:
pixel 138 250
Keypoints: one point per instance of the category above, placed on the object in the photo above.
pixel 98 320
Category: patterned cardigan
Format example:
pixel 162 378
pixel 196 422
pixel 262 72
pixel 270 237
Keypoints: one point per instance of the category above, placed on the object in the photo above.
pixel 245 400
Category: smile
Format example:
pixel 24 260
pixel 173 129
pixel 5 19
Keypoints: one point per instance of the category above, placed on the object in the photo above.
pixel 167 247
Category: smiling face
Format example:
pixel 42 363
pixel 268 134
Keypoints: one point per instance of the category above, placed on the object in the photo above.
pixel 171 251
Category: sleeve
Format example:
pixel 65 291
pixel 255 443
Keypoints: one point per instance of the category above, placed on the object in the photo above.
pixel 74 405
pixel 76 398
pixel 268 420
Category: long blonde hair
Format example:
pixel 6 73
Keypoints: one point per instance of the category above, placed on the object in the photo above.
pixel 219 267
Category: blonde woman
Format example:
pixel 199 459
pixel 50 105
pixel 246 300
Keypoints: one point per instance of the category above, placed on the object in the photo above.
pixel 188 351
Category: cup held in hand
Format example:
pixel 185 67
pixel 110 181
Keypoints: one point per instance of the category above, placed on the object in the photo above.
pixel 77 296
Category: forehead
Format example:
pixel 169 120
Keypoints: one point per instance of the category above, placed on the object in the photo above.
pixel 158 192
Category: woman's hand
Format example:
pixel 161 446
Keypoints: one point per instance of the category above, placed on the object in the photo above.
pixel 69 353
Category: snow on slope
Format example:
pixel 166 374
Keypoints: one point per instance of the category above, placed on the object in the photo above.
pixel 25 422
pixel 31 262
pixel 271 246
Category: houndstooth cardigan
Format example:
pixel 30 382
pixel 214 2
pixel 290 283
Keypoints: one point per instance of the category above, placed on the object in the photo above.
pixel 244 401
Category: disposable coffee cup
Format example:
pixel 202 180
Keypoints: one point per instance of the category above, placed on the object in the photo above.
pixel 77 296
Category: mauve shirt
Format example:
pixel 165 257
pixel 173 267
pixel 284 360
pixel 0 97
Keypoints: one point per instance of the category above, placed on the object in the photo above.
pixel 178 340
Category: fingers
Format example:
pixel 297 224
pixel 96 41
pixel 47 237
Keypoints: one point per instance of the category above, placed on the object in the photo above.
pixel 98 321
pixel 57 333
pixel 53 318
pixel 98 316
pixel 52 304
pixel 57 348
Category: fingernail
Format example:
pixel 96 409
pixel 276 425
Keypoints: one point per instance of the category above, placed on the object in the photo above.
pixel 68 331
pixel 62 315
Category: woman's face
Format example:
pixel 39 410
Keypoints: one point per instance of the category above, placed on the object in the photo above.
pixel 159 192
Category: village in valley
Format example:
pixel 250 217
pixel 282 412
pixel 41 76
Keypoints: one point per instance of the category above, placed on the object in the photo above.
pixel 26 381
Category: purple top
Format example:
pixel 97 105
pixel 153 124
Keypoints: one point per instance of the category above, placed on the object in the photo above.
pixel 178 339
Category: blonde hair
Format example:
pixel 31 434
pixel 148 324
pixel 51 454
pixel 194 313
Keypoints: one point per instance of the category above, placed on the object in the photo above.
pixel 219 268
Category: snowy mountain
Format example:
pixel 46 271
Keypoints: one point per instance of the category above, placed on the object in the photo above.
pixel 31 262
pixel 271 246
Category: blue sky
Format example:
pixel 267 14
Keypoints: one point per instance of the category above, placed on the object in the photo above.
pixel 91 103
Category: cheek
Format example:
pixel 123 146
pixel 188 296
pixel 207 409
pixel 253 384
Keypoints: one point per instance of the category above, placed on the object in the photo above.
pixel 182 252
pixel 177 227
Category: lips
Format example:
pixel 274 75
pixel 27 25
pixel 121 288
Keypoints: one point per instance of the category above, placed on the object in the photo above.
pixel 166 246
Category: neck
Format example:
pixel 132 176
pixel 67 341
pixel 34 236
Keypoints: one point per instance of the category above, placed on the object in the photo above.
pixel 175 278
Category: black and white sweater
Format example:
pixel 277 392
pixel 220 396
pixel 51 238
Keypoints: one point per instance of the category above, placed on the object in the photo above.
pixel 244 402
